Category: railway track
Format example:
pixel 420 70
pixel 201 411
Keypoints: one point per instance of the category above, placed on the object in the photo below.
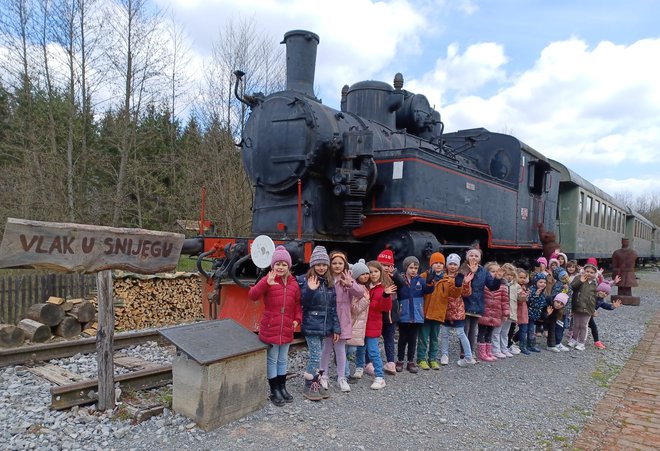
pixel 57 350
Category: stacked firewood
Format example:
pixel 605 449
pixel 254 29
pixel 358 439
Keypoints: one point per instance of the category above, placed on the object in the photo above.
pixel 142 302
pixel 57 316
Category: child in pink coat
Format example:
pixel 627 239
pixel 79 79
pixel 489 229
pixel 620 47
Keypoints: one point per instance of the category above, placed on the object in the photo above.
pixel 345 289
pixel 496 310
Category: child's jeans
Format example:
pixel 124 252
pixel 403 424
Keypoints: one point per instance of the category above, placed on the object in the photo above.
pixel 465 343
pixel 277 359
pixel 374 355
pixel 340 355
pixel 428 340
pixel 531 332
pixel 500 339
pixel 314 348
pixel 522 332
pixel 471 326
pixel 360 352
pixel 388 341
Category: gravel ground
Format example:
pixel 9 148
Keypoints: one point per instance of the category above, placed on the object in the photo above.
pixel 539 401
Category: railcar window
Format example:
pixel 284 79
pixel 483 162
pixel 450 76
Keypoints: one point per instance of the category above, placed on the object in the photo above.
pixel 587 217
pixel 580 207
pixel 602 216
pixel 609 218
pixel 596 212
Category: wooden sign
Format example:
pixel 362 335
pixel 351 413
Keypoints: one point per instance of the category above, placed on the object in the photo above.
pixel 87 248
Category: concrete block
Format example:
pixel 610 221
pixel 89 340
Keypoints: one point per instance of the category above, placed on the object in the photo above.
pixel 220 392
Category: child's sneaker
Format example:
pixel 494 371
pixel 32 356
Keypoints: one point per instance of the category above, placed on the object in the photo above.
pixel 390 368
pixel 563 348
pixel 444 360
pixel 379 383
pixel 514 349
pixel 312 390
pixel 599 345
pixel 572 343
pixel 423 364
pixel 435 365
pixel 466 362
pixel 507 353
pixel 579 346
pixel 343 384
pixel 553 349
pixel 369 369
pixel 399 367
pixel 411 367
pixel 359 372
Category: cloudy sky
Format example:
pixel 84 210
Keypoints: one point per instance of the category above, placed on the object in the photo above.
pixel 577 80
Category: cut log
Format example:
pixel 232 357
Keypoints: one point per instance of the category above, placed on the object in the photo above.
pixel 67 306
pixel 55 300
pixel 11 336
pixel 68 327
pixel 35 331
pixel 48 314
pixel 84 312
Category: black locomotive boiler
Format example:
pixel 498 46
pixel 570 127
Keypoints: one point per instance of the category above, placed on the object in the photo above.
pixel 380 171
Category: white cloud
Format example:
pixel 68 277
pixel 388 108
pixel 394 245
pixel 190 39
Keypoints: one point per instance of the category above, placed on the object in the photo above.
pixel 638 187
pixel 358 37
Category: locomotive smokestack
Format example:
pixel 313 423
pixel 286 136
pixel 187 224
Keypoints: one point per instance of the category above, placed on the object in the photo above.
pixel 300 60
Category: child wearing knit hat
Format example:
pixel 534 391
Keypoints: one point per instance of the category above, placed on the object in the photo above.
pixel 603 290
pixel 391 317
pixel 411 299
pixel 346 288
pixel 554 322
pixel 434 314
pixel 319 318
pixel 457 286
pixel 359 312
pixel 583 303
pixel 281 315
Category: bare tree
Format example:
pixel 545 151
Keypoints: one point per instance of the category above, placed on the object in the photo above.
pixel 137 59
pixel 240 47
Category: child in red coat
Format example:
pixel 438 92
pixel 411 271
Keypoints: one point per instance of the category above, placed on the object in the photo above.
pixel 282 314
pixel 379 302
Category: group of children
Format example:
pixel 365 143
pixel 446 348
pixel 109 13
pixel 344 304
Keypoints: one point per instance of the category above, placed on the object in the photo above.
pixel 496 310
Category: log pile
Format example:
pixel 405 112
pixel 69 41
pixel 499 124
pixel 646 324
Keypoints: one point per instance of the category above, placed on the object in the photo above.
pixel 146 301
pixel 139 302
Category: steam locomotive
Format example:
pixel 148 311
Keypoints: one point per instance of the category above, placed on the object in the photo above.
pixel 380 172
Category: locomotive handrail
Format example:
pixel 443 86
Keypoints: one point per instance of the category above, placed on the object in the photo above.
pixel 232 271
pixel 201 257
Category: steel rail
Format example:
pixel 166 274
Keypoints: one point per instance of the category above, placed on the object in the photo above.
pixel 87 392
pixel 56 350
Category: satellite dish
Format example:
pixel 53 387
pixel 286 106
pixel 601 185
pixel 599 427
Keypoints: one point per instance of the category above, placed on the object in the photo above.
pixel 262 250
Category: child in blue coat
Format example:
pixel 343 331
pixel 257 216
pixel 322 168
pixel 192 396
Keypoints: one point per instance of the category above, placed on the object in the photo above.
pixel 411 302
pixel 319 317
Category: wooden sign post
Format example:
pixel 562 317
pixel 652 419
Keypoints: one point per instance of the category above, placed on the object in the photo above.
pixel 91 249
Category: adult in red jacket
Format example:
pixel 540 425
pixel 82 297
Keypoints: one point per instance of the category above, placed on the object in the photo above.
pixel 282 314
